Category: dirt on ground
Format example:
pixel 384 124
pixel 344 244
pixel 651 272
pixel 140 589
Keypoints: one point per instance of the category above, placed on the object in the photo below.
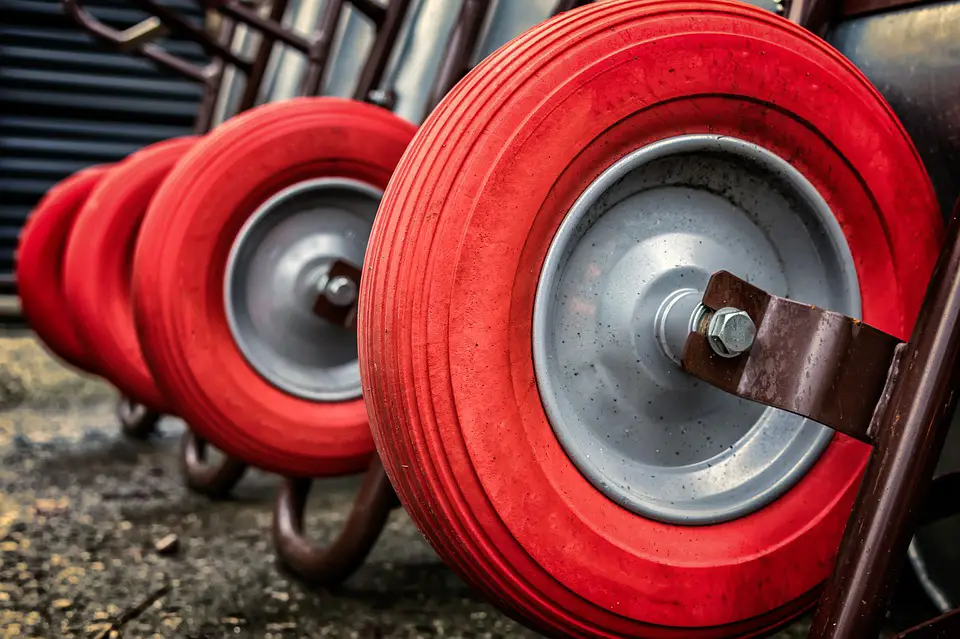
pixel 100 538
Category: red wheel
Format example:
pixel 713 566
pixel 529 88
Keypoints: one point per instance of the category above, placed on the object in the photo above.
pixel 261 221
pixel 522 390
pixel 40 252
pixel 99 262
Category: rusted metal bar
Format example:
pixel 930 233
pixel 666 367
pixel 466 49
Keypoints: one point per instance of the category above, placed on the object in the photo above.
pixel 213 480
pixel 463 42
pixel 805 359
pixel 252 18
pixel 318 55
pixel 910 436
pixel 946 626
pixel 254 79
pixel 379 56
pixel 136 421
pixel 179 25
pixel 332 565
pixel 213 82
pixel 124 42
pixel 375 11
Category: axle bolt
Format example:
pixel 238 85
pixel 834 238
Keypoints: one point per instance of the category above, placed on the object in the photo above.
pixel 341 291
pixel 731 332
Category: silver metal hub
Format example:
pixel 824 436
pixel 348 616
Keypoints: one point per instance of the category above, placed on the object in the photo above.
pixel 619 291
pixel 277 267
pixel 678 316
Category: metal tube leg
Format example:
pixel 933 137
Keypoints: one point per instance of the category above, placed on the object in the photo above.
pixel 136 421
pixel 910 436
pixel 214 481
pixel 332 565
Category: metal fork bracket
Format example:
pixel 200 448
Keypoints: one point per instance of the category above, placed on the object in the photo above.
pixel 330 566
pixel 898 397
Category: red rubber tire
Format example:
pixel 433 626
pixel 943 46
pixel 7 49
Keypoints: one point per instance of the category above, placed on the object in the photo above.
pixel 451 272
pixel 179 278
pixel 99 262
pixel 40 264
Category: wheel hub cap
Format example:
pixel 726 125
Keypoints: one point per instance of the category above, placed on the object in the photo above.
pixel 618 293
pixel 279 264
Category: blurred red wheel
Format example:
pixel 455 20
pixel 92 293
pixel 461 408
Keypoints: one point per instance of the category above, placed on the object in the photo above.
pixel 523 395
pixel 99 262
pixel 267 214
pixel 40 261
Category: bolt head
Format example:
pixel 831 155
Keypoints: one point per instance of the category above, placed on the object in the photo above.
pixel 341 290
pixel 385 99
pixel 731 332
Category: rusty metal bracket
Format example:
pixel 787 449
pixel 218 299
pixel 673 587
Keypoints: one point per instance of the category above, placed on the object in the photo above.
pixel 900 398
pixel 136 420
pixel 332 565
pixel 805 359
pixel 212 480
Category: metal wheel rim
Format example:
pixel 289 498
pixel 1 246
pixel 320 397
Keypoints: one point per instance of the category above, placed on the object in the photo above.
pixel 274 267
pixel 648 436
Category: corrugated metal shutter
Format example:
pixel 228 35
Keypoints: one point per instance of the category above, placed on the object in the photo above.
pixel 67 102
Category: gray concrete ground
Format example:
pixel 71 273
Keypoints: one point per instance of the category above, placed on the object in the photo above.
pixel 81 510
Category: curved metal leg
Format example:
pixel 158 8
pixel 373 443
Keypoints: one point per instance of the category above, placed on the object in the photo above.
pixel 136 420
pixel 214 481
pixel 332 565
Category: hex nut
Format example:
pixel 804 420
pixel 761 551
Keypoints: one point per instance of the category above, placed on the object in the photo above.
pixel 731 332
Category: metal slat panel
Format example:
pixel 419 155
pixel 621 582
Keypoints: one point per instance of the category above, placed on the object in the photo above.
pixel 17 167
pixel 67 102
pixel 71 38
pixel 87 151
pixel 28 125
pixel 49 11
pixel 97 105
pixel 25 57
pixel 104 82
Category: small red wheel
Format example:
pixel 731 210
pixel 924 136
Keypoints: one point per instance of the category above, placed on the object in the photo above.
pixel 264 219
pixel 523 391
pixel 40 259
pixel 99 262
